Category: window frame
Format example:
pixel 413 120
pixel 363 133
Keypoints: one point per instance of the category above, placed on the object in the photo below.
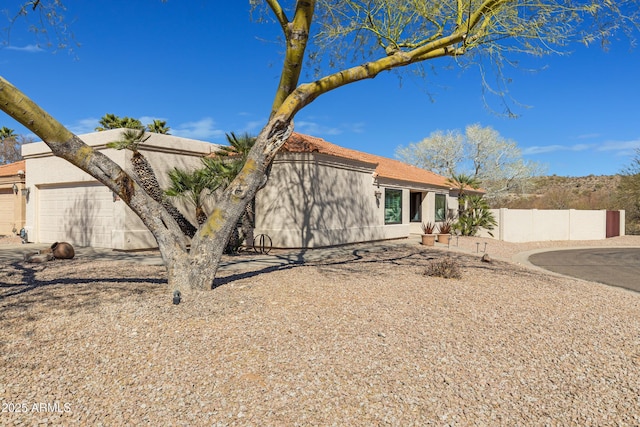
pixel 415 196
pixel 397 200
pixel 443 198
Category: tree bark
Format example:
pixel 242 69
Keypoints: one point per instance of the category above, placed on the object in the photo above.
pixel 210 241
pixel 147 178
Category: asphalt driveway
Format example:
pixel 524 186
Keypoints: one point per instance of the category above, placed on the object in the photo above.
pixel 612 266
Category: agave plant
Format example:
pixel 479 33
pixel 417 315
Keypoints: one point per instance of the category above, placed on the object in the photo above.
pixel 428 227
pixel 446 227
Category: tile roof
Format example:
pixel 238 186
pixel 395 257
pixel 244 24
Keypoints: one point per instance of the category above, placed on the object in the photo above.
pixel 386 168
pixel 12 168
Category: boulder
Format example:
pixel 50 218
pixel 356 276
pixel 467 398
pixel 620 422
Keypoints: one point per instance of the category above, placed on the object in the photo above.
pixel 62 250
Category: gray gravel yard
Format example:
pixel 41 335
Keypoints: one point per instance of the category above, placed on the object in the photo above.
pixel 361 338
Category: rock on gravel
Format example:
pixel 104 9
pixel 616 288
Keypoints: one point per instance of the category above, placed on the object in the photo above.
pixel 363 340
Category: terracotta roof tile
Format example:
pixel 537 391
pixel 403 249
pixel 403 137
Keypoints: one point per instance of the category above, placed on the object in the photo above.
pixel 386 168
pixel 12 168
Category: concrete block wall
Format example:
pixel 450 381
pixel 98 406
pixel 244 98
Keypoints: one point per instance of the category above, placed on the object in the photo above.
pixel 534 225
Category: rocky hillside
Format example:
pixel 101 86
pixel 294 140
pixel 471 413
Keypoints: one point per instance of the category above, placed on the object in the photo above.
pixel 560 192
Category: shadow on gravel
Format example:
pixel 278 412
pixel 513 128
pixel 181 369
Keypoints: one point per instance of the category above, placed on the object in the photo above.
pixel 75 284
pixel 357 261
pixel 22 285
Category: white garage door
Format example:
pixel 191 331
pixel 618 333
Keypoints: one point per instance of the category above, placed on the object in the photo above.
pixel 81 214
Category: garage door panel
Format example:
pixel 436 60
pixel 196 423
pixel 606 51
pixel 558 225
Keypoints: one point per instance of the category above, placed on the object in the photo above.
pixel 81 214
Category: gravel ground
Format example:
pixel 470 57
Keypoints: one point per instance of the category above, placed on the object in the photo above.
pixel 363 338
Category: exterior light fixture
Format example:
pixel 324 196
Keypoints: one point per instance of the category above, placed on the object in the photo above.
pixel 378 194
pixel 25 191
pixel 15 188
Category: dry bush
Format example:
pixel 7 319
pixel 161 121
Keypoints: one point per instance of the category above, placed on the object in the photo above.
pixel 447 268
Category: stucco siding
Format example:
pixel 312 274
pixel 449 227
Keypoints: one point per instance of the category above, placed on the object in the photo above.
pixel 10 212
pixel 587 225
pixel 67 204
pixel 312 200
pixel 532 225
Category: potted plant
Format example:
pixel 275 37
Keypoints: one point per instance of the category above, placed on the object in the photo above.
pixel 444 231
pixel 428 233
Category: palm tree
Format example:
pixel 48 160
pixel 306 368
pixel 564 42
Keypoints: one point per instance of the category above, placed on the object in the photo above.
pixel 6 133
pixel 193 186
pixel 237 146
pixel 462 182
pixel 10 144
pixel 131 140
pixel 216 173
pixel 219 171
pixel 159 126
pixel 238 149
pixel 477 215
pixel 111 121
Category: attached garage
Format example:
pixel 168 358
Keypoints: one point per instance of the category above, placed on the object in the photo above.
pixel 79 213
pixel 66 204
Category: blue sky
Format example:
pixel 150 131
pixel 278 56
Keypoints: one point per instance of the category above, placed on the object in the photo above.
pixel 208 70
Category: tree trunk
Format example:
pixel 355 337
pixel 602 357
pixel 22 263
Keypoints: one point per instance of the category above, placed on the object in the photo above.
pixel 233 243
pixel 149 182
pixel 196 270
pixel 248 223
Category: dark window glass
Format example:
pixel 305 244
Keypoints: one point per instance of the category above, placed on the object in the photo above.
pixel 415 207
pixel 441 207
pixel 392 206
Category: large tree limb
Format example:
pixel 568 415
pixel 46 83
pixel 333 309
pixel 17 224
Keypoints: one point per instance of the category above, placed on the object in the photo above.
pixel 280 16
pixel 68 146
pixel 297 37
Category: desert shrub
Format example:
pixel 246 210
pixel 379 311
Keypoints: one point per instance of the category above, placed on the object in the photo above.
pixel 447 268
pixel 474 217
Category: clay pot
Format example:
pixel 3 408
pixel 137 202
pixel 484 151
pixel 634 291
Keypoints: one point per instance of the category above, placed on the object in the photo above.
pixel 62 250
pixel 429 239
pixel 444 238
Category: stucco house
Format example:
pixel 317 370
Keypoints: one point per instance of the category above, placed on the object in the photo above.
pixel 67 204
pixel 318 194
pixel 321 194
pixel 12 198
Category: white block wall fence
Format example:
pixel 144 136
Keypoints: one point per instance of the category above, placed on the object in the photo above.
pixel 536 225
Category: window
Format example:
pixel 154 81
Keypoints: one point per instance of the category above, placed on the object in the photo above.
pixel 415 207
pixel 392 206
pixel 441 207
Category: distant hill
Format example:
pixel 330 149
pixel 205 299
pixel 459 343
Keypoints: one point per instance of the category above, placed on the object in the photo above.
pixel 585 192
pixel 561 192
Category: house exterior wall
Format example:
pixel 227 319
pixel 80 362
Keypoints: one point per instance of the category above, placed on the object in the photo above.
pixel 79 222
pixel 429 207
pixel 12 206
pixel 314 200
pixel 310 200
